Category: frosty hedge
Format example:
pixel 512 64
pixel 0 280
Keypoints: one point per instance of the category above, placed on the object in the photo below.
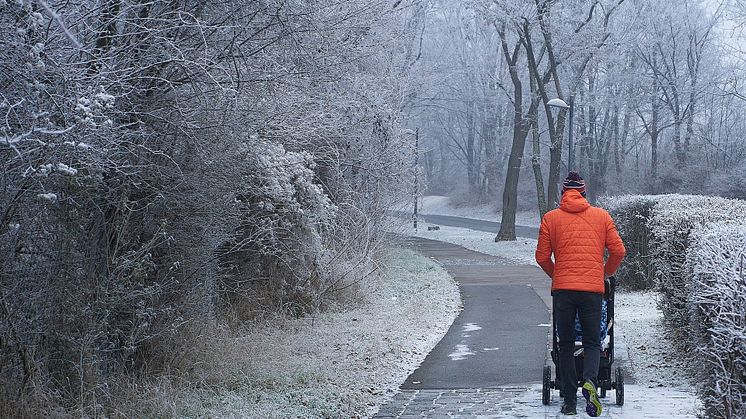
pixel 691 249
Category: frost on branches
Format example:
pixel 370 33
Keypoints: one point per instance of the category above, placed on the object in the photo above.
pixel 631 214
pixel 673 218
pixel 716 276
pixel 696 246
pixel 658 228
pixel 279 239
pixel 137 213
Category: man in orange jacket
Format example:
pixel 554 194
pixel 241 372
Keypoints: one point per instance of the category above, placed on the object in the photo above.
pixel 578 235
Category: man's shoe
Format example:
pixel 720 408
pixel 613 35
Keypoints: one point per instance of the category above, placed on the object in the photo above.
pixel 568 409
pixel 592 404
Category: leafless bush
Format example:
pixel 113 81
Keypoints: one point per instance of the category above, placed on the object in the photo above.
pixel 631 215
pixel 161 159
pixel 697 247
pixel 716 281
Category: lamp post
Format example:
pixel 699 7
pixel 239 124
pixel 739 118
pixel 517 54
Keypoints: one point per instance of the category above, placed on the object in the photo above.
pixel 416 163
pixel 559 103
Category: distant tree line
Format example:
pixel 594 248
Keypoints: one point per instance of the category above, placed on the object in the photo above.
pixel 656 86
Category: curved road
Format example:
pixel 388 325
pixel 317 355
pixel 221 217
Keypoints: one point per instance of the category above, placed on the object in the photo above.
pixel 500 337
pixel 470 223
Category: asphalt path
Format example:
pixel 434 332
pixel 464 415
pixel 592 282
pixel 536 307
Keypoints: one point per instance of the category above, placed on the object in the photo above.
pixel 500 337
pixel 470 223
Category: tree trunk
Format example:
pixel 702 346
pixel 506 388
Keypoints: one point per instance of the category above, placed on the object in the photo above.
pixel 471 172
pixel 491 164
pixel 510 193
pixel 538 176
pixel 625 134
pixel 536 158
pixel 690 115
pixel 520 132
pixel 556 128
pixel 615 121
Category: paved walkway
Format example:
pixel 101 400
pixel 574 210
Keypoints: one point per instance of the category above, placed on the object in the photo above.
pixel 500 336
pixel 489 362
pixel 525 402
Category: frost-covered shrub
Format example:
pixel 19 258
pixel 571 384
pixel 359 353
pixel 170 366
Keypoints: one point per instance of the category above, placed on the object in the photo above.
pixel 716 278
pixel 660 243
pixel 631 214
pixel 673 217
pixel 130 205
pixel 278 243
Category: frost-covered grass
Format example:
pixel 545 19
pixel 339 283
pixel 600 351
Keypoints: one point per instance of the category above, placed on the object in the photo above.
pixel 342 363
pixel 443 205
pixel 649 353
pixel 519 251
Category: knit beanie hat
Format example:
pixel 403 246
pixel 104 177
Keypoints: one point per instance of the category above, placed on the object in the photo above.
pixel 574 181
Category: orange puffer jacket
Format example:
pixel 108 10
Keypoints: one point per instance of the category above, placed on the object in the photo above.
pixel 577 234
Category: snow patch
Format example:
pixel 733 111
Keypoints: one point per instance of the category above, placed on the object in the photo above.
pixel 471 327
pixel 520 251
pixel 651 356
pixel 65 169
pixel 51 197
pixel 460 352
pixel 441 205
pixel 638 404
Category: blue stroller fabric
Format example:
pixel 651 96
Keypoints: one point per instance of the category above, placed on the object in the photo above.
pixel 604 323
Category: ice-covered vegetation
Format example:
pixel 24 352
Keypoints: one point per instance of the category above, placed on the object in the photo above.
pixel 655 86
pixel 342 363
pixel 172 168
pixel 169 168
pixel 692 250
pixel 717 283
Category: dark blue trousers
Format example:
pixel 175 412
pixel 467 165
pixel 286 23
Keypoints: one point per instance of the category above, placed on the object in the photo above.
pixel 587 306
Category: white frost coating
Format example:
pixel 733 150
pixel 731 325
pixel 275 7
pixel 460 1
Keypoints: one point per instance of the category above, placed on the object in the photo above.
pixel 471 327
pixel 344 363
pixel 490 349
pixel 442 205
pixel 61 23
pixel 52 197
pixel 716 278
pixel 65 169
pixel 460 352
pixel 105 99
pixel 44 169
pixel 697 246
pixel 82 146
pixel 638 404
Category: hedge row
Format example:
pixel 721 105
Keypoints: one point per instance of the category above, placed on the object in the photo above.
pixel 691 250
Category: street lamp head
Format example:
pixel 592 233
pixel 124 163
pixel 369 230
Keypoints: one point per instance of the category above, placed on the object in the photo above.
pixel 559 103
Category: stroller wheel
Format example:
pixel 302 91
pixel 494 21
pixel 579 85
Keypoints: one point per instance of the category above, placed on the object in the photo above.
pixel 546 385
pixel 619 376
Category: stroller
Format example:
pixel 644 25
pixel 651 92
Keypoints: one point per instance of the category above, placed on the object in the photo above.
pixel 605 381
